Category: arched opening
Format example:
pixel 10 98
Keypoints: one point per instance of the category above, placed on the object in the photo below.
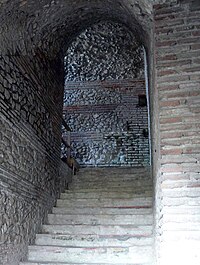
pixel 34 36
pixel 106 97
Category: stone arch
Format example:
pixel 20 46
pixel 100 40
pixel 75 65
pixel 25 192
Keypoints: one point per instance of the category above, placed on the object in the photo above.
pixel 28 26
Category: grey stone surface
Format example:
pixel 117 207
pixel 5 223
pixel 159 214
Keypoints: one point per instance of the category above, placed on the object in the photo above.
pixel 107 133
pixel 77 95
pixel 89 240
pixel 30 179
pixel 24 25
pixel 101 109
pixel 99 230
pixel 103 52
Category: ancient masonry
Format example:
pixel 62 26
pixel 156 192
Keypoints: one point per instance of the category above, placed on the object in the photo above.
pixel 104 84
pixel 177 51
pixel 109 125
pixel 100 219
pixel 30 178
pixel 34 37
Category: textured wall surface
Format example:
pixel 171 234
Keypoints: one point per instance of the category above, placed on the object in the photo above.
pixel 49 25
pixel 30 179
pixel 177 36
pixel 32 31
pixel 104 51
pixel 109 127
pixel 32 27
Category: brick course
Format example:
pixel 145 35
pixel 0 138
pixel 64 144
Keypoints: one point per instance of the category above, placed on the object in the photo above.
pixel 30 179
pixel 177 71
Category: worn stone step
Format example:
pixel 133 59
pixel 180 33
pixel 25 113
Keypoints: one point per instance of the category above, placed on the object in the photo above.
pixel 111 171
pixel 129 189
pixel 105 202
pixel 110 175
pixel 105 194
pixel 105 218
pixel 90 255
pixel 98 219
pixel 110 184
pixel 100 230
pixel 114 178
pixel 93 192
pixel 94 263
pixel 100 210
pixel 120 179
pixel 117 178
pixel 114 170
pixel 92 240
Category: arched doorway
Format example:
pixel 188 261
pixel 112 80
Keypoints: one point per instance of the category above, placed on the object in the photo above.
pixel 105 97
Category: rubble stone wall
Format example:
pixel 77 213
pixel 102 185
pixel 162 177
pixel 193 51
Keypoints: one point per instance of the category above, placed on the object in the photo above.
pixel 109 126
pixel 104 77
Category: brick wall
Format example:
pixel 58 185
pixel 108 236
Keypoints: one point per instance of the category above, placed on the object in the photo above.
pixel 30 124
pixel 177 51
pixel 109 126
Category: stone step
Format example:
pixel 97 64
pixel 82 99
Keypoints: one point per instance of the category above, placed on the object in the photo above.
pixel 100 230
pixel 119 178
pixel 109 178
pixel 114 170
pixel 99 210
pixel 105 218
pixel 111 184
pixel 64 263
pixel 105 194
pixel 105 202
pixel 130 189
pixel 119 171
pixel 92 240
pixel 91 255
pixel 114 178
pixel 88 219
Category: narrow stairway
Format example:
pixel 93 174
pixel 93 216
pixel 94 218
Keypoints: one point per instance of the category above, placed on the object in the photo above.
pixel 105 217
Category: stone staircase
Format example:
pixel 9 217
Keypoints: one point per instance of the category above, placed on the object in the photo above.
pixel 105 217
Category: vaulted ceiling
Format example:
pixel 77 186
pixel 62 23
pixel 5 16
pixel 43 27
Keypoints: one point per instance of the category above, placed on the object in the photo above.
pixel 31 25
